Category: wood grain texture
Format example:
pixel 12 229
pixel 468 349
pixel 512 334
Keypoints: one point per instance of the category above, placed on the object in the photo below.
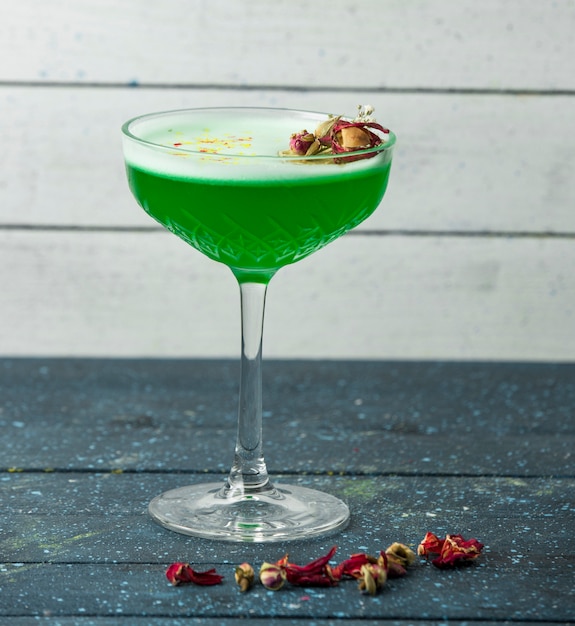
pixel 132 553
pixel 328 43
pixel 127 294
pixel 78 546
pixel 320 418
pixel 463 163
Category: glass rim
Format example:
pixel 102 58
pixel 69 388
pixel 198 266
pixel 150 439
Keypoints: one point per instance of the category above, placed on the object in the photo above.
pixel 382 147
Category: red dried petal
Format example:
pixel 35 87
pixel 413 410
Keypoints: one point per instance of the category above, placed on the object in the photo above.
pixel 352 567
pixel 343 124
pixel 316 573
pixel 311 580
pixel 209 577
pixel 182 573
pixel 178 573
pixel 316 566
pixel 472 547
pixel 457 550
pixel 451 551
pixel 283 561
pixel 430 544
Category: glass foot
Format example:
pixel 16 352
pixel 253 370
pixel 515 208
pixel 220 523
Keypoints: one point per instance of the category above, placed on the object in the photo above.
pixel 278 514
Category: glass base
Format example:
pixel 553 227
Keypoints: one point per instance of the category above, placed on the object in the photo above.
pixel 276 514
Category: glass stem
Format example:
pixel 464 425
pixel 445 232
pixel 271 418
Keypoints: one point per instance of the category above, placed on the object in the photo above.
pixel 249 472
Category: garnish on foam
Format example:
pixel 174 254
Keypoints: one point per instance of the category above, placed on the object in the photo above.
pixel 337 135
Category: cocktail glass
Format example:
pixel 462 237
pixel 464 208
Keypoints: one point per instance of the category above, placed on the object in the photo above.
pixel 217 179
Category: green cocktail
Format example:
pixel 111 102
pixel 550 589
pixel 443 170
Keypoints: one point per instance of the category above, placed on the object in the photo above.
pixel 258 226
pixel 222 180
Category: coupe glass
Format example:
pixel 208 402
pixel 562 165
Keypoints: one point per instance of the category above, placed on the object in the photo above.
pixel 218 179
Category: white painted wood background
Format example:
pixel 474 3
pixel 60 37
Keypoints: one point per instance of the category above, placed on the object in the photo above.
pixel 470 256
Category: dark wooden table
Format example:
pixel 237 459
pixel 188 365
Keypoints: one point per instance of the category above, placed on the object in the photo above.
pixel 482 449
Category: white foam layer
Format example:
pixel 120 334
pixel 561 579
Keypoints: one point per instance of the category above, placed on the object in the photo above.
pixel 231 145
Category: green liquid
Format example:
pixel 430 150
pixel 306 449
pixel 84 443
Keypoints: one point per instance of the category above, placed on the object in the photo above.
pixel 257 227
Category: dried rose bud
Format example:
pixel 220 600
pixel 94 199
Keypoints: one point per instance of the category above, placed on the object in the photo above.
pixel 182 573
pixel 304 143
pixel 244 576
pixel 272 576
pixel 354 136
pixel 373 577
pixel 399 553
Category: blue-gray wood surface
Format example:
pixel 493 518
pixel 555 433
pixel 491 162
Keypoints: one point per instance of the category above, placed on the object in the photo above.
pixel 482 449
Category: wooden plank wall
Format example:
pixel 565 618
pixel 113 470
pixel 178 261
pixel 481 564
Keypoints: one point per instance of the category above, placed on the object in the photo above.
pixel 470 256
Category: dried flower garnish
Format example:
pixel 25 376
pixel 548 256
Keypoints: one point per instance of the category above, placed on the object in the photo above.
pixel 451 551
pixel 272 576
pixel 430 544
pixel 304 143
pixel 372 578
pixel 244 576
pixel 371 572
pixel 352 567
pixel 402 555
pixel 354 136
pixel 317 573
pixel 338 136
pixel 323 131
pixel 182 573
